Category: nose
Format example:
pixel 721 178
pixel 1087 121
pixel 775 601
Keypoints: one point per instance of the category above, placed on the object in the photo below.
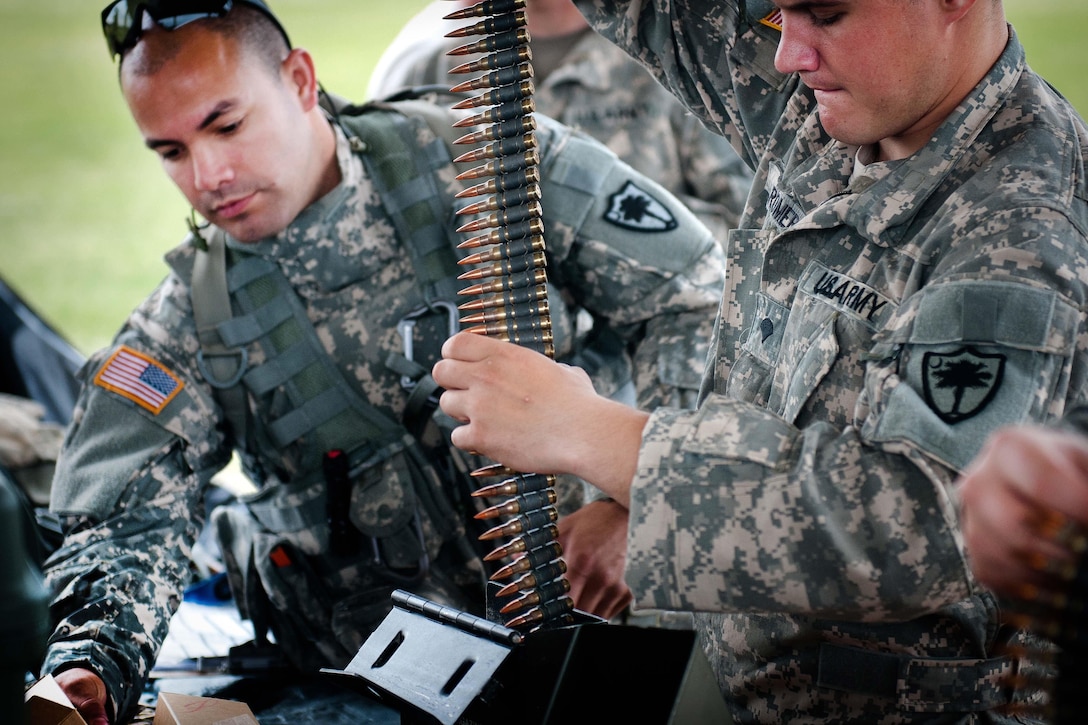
pixel 211 168
pixel 795 53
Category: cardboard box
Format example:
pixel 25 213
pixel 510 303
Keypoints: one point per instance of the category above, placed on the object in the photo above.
pixel 176 709
pixel 46 704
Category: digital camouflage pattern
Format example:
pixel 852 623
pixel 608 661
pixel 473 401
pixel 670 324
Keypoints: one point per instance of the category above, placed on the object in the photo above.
pixel 132 481
pixel 878 323
pixel 599 90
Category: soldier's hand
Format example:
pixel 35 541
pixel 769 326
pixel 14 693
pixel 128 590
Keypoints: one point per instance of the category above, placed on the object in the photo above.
pixel 594 540
pixel 524 410
pixel 1022 502
pixel 87 693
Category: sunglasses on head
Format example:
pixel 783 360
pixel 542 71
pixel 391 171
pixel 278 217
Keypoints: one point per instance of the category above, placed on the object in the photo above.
pixel 122 20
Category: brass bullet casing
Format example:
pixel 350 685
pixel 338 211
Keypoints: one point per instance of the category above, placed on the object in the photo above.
pixel 523 522
pixel 516 281
pixel 494 61
pixel 503 129
pixel 494 469
pixel 517 504
pixel 506 165
pixel 493 43
pixel 528 540
pixel 506 267
pixel 498 96
pixel 501 112
pixel 503 182
pixel 496 78
pixel 491 26
pixel 548 611
pixel 515 248
pixel 551 590
pixel 487 7
pixel 527 310
pixel 531 560
pixel 505 200
pixel 506 298
pixel 506 234
pixel 519 483
pixel 513 215
pixel 552 570
pixel 497 149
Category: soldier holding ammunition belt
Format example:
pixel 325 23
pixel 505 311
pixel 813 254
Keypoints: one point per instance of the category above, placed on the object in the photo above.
pixel 910 275
pixel 298 329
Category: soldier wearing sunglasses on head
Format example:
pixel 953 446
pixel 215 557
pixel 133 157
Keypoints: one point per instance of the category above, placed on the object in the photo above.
pixel 297 329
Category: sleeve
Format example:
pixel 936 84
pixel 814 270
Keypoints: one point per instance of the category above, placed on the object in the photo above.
pixel 716 57
pixel 716 179
pixel 129 484
pixel 635 258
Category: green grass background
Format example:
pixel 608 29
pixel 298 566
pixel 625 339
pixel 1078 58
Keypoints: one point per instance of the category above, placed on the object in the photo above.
pixel 85 211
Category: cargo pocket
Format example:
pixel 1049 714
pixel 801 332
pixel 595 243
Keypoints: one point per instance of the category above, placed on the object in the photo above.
pixel 384 508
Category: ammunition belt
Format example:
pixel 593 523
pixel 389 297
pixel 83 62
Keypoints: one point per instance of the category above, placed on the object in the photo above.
pixel 509 287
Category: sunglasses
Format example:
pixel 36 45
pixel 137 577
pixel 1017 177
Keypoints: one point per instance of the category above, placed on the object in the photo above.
pixel 122 19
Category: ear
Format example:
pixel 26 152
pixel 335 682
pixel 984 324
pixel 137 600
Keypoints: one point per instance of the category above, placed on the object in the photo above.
pixel 954 10
pixel 298 72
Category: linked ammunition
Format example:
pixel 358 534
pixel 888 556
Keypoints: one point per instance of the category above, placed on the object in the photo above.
pixel 496 78
pixel 527 310
pixel 530 560
pixel 490 26
pixel 521 502
pixel 493 469
pixel 487 7
pixel 504 201
pixel 503 182
pixel 493 43
pixel 505 267
pixel 514 281
pixel 506 94
pixel 502 59
pixel 507 298
pixel 547 611
pixel 552 590
pixel 500 130
pixel 515 248
pixel 552 570
pixel 524 228
pixel 524 522
pixel 502 147
pixel 510 109
pixel 538 340
pixel 503 217
pixel 528 540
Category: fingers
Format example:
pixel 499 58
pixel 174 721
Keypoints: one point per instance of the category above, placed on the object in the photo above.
pixel 87 693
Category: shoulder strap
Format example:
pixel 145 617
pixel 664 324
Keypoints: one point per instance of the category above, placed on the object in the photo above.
pixel 222 366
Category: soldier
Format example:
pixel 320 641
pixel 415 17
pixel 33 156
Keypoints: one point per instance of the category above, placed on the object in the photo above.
pixel 589 84
pixel 298 329
pixel 909 276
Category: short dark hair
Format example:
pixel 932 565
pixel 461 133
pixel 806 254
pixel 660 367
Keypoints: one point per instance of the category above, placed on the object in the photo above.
pixel 251 28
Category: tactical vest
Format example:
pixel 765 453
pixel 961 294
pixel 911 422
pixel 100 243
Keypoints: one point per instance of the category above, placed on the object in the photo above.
pixel 407 513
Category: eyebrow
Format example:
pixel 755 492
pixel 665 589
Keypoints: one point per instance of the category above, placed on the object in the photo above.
pixel 220 108
pixel 806 4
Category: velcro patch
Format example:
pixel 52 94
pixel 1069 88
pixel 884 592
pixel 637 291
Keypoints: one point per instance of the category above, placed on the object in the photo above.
pixel 960 384
pixel 633 208
pixel 848 295
pixel 139 378
pixel 773 20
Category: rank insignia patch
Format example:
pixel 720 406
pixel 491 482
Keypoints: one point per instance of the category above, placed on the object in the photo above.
pixel 139 378
pixel 960 384
pixel 632 208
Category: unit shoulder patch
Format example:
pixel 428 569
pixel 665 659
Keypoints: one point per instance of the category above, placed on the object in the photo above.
pixel 139 378
pixel 958 385
pixel 634 208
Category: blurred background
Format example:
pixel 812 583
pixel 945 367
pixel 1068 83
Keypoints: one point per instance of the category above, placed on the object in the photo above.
pixel 85 211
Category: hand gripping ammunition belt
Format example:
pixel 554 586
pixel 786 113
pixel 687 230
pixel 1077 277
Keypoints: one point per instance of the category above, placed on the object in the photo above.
pixel 1053 671
pixel 508 286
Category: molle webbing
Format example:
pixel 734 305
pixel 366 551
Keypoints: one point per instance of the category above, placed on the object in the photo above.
pixel 404 171
pixel 324 408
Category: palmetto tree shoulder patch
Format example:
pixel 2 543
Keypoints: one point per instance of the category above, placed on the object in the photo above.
pixel 958 385
pixel 634 208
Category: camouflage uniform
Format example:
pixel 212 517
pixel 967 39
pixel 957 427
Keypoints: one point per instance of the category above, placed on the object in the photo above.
pixel 597 89
pixel 132 473
pixel 878 322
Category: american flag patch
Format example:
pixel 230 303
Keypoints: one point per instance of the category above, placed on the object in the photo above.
pixel 774 20
pixel 137 377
